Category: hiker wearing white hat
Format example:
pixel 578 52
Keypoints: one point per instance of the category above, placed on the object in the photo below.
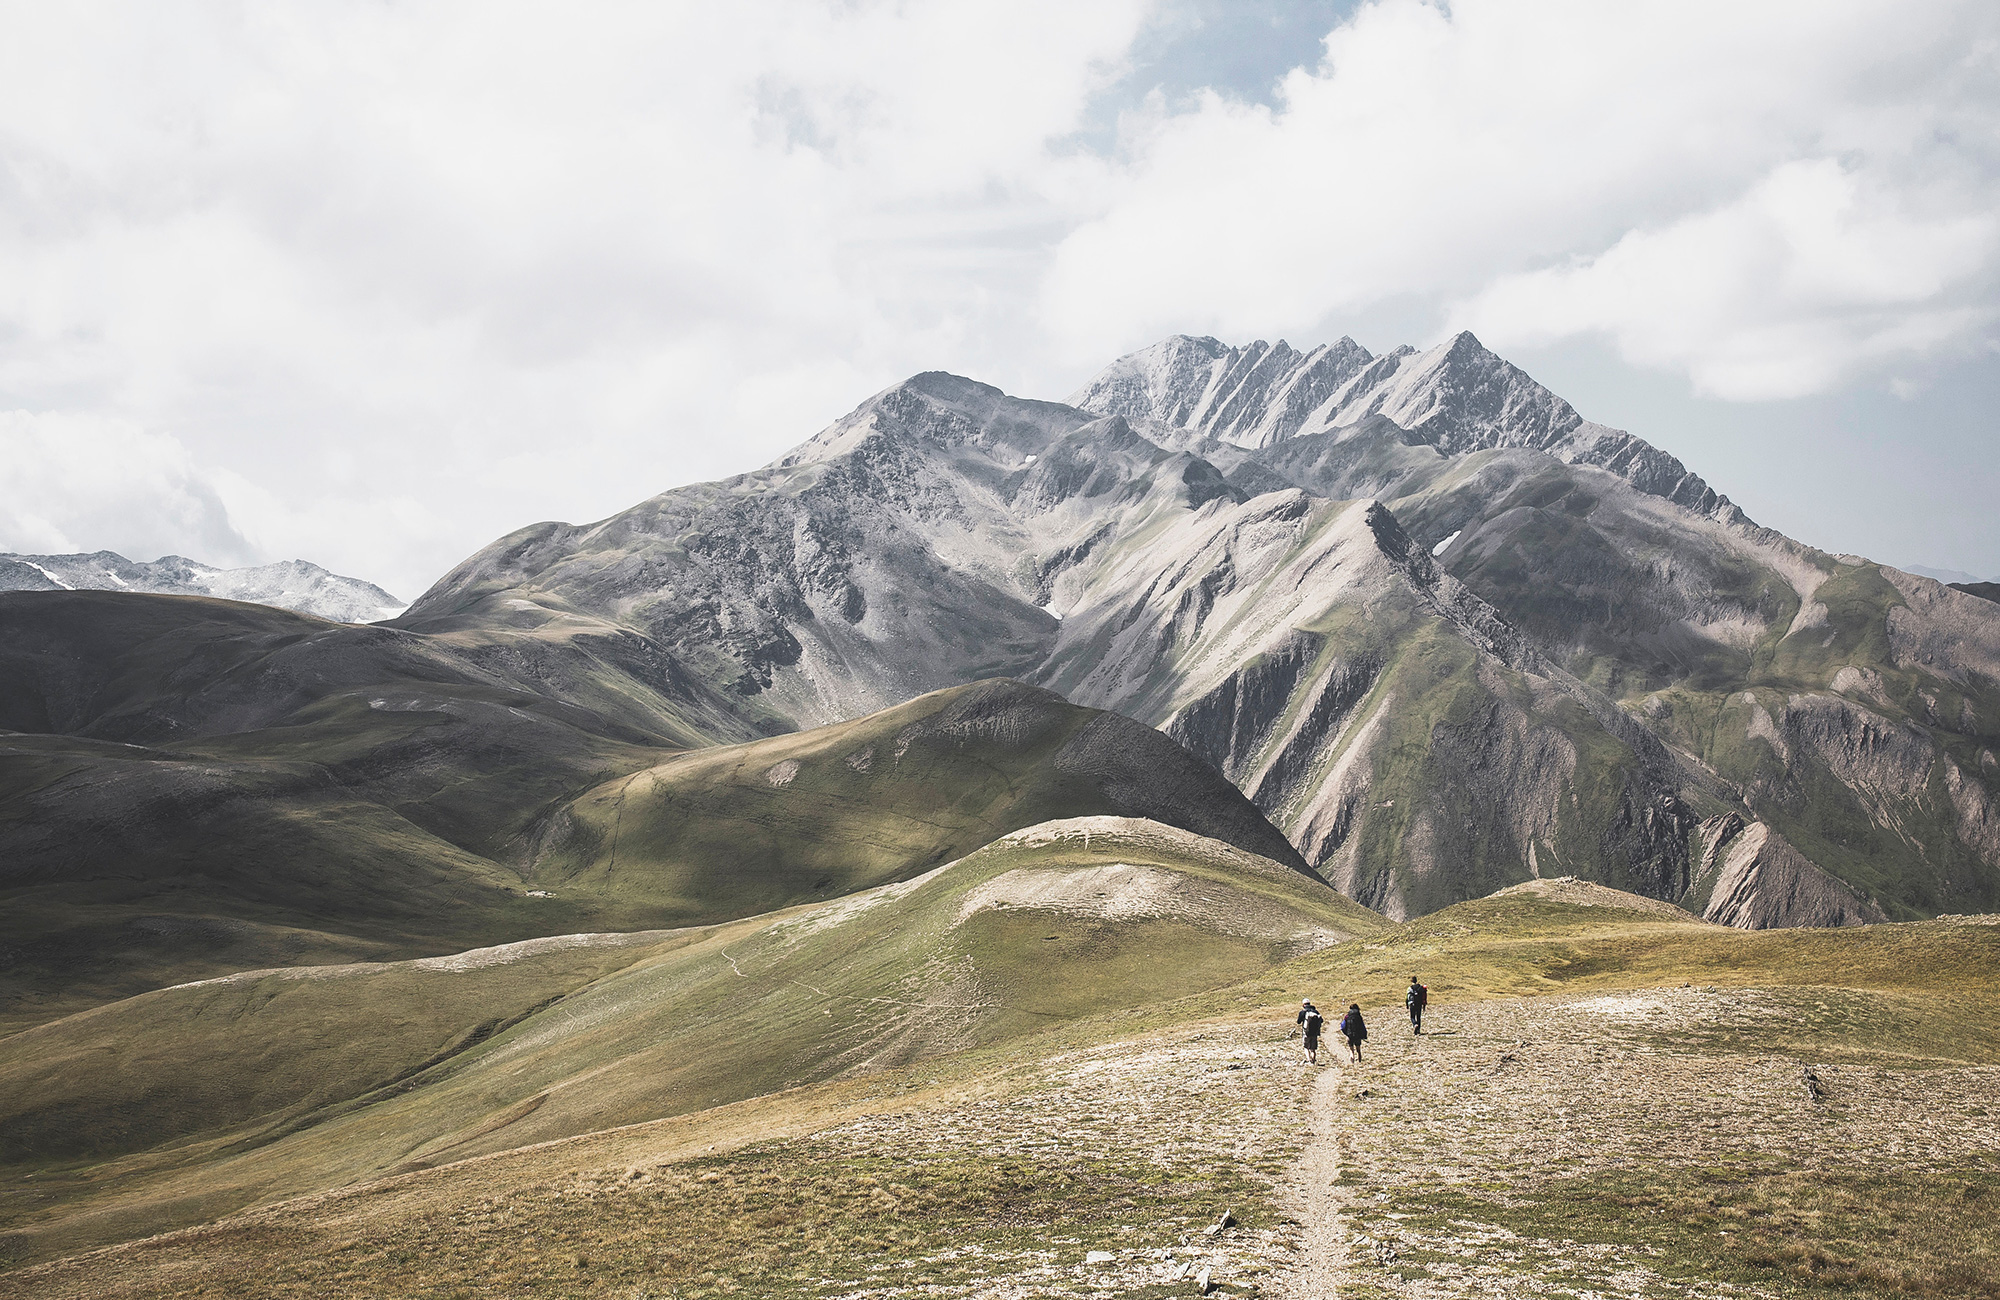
pixel 1311 1021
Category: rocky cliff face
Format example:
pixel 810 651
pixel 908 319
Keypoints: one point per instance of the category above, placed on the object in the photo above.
pixel 1751 878
pixel 1448 634
pixel 290 584
pixel 1457 397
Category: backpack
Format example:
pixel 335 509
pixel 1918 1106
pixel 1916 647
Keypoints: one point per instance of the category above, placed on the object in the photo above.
pixel 1420 996
pixel 1313 1022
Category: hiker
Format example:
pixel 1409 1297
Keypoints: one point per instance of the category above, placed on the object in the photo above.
pixel 1416 1000
pixel 1353 1029
pixel 1311 1020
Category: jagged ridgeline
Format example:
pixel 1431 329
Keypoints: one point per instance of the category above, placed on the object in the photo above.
pixel 1445 632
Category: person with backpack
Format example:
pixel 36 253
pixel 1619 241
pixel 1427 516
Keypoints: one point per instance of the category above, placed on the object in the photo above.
pixel 1311 1021
pixel 1354 1030
pixel 1416 1000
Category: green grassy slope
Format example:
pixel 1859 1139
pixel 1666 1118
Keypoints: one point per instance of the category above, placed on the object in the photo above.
pixel 743 829
pixel 1569 1054
pixel 191 787
pixel 234 1090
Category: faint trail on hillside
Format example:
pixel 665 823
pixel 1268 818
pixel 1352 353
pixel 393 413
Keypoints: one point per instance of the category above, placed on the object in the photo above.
pixel 617 823
pixel 1316 1199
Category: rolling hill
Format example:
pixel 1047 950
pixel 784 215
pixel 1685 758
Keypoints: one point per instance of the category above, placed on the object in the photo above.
pixel 196 787
pixel 182 1103
pixel 1051 1065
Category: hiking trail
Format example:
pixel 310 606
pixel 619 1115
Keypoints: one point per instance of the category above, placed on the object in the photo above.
pixel 1315 1197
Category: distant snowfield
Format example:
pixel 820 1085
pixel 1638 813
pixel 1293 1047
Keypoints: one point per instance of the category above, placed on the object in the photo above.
pixel 296 585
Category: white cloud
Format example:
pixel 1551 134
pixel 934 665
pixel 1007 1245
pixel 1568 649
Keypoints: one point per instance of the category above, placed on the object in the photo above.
pixel 1785 292
pixel 73 483
pixel 401 278
pixel 1771 197
pixel 512 260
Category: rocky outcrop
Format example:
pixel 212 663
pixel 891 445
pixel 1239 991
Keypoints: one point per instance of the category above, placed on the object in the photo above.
pixel 1754 879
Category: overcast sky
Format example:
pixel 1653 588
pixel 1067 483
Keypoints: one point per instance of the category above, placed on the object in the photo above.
pixel 371 284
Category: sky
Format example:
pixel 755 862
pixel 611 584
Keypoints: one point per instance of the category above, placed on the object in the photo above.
pixel 373 284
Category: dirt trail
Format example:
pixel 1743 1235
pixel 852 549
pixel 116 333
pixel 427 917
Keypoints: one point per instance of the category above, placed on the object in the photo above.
pixel 1315 1198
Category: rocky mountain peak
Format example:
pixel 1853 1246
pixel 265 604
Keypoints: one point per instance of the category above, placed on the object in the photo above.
pixel 1435 623
pixel 1459 397
pixel 940 411
pixel 1251 396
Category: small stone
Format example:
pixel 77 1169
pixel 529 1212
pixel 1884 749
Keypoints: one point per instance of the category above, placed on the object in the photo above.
pixel 1099 1257
pixel 1202 1284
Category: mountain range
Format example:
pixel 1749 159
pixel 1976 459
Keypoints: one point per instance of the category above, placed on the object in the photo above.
pixel 290 584
pixel 1406 622
pixel 1445 632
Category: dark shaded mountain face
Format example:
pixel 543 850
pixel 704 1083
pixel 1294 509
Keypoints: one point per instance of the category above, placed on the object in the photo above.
pixel 1445 632
pixel 190 787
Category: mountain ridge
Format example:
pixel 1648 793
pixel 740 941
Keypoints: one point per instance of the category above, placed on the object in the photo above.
pixel 1457 396
pixel 1595 588
pixel 297 585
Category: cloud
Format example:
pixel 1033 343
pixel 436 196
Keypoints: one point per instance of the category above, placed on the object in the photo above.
pixel 1773 198
pixel 1809 278
pixel 73 483
pixel 515 259
pixel 397 279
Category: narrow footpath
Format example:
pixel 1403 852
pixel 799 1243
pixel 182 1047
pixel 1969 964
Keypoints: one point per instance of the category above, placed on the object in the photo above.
pixel 1316 1199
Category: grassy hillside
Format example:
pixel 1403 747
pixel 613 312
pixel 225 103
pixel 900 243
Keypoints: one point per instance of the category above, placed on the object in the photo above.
pixel 192 787
pixel 742 829
pixel 230 1091
pixel 1609 1099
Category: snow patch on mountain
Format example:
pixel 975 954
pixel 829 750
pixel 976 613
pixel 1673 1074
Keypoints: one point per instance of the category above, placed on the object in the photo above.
pixel 296 585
